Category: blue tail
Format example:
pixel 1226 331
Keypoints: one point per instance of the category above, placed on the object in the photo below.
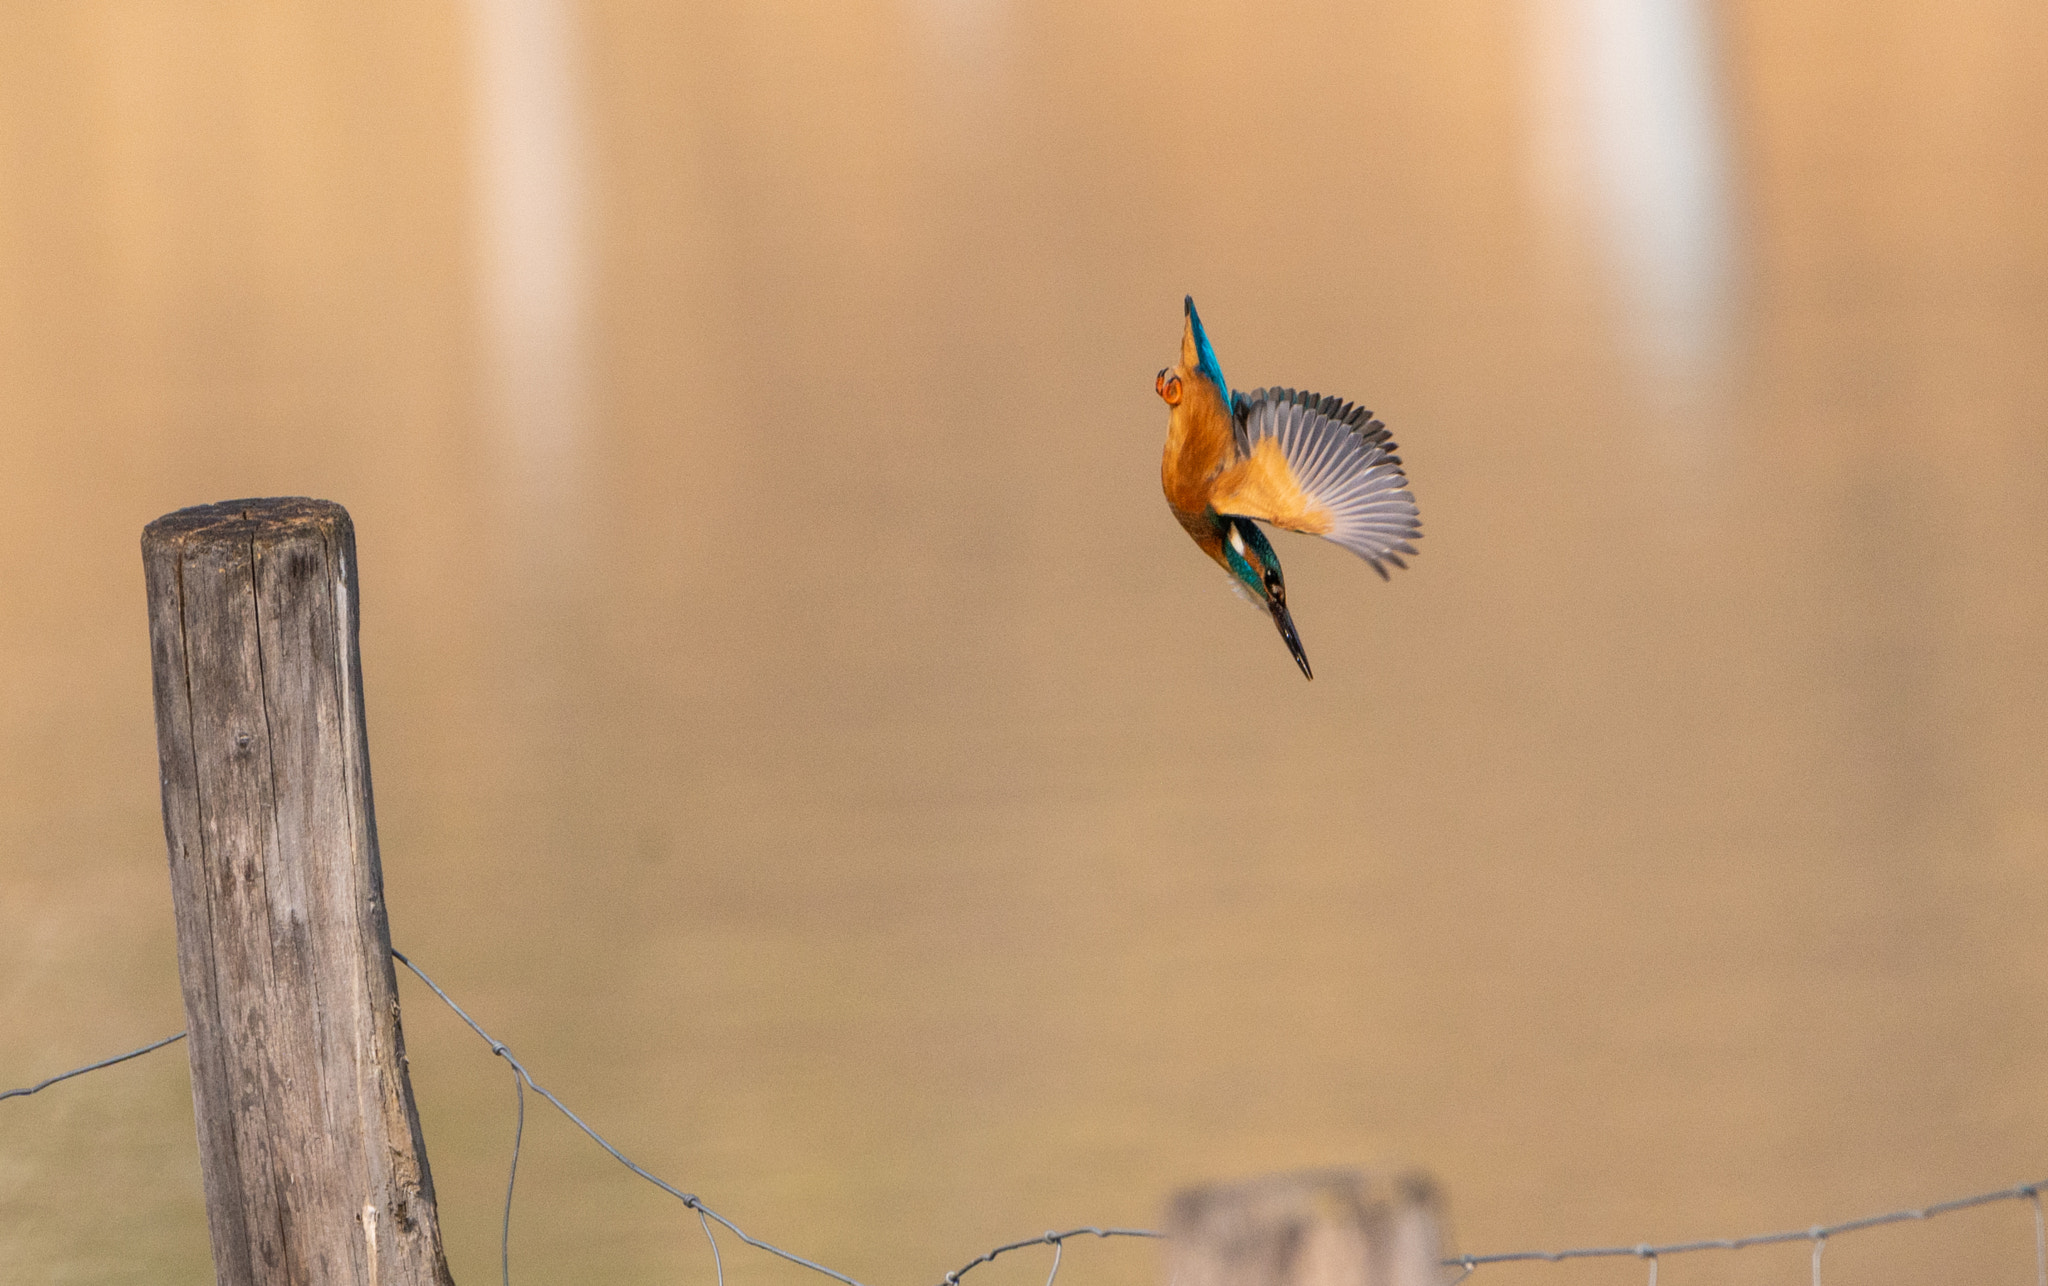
pixel 1208 354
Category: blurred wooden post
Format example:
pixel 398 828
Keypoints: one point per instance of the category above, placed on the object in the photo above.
pixel 309 1144
pixel 1323 1228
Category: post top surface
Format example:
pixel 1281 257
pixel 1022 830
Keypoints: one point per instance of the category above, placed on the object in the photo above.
pixel 241 519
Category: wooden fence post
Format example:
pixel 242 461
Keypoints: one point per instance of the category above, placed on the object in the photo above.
pixel 1320 1228
pixel 309 1143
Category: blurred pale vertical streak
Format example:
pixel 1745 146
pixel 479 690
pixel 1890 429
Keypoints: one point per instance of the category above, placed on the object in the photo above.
pixel 964 31
pixel 964 42
pixel 530 189
pixel 1631 150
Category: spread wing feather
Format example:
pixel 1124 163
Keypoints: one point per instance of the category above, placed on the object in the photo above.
pixel 1343 464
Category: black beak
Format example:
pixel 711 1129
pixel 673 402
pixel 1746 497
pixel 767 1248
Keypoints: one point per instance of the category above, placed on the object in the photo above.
pixel 1285 620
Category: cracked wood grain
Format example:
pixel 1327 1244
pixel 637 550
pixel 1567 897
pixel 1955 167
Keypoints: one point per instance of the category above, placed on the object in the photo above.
pixel 309 1142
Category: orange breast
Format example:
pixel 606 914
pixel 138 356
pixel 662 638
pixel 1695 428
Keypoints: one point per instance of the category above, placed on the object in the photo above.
pixel 1198 445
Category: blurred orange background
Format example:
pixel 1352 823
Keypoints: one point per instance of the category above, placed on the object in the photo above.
pixel 802 733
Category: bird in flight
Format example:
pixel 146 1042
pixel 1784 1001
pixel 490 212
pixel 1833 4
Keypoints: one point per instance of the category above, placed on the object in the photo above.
pixel 1292 459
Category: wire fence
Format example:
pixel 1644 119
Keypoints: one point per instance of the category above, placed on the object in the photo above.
pixel 42 1085
pixel 1464 1265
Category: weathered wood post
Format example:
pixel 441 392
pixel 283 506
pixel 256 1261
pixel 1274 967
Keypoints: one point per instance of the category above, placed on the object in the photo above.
pixel 1321 1228
pixel 308 1141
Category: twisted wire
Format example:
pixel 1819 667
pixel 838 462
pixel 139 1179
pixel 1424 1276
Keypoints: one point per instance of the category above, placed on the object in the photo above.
pixel 717 1260
pixel 512 1177
pixel 1817 1235
pixel 2040 1240
pixel 689 1199
pixel 1056 1240
pixel 42 1085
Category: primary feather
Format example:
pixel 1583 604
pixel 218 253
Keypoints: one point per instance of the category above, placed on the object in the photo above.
pixel 1290 459
pixel 1323 466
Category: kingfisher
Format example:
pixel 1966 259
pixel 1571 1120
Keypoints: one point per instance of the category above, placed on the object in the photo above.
pixel 1293 459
